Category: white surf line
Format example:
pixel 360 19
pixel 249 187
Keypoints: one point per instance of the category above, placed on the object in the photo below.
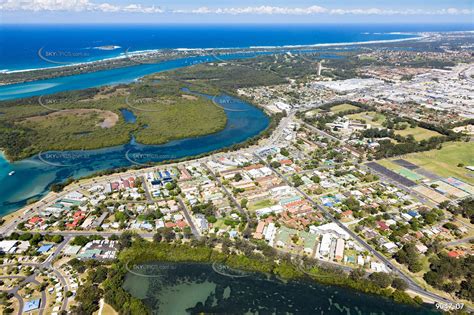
pixel 145 52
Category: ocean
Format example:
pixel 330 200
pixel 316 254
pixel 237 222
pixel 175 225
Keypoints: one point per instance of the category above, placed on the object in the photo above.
pixel 26 46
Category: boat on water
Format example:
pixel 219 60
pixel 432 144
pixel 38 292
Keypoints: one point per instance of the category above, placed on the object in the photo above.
pixel 11 173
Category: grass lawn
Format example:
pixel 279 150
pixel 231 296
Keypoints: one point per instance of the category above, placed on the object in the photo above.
pixel 373 118
pixel 260 204
pixel 444 162
pixel 219 224
pixel 343 107
pixel 417 132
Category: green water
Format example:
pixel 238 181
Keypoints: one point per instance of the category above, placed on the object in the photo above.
pixel 189 288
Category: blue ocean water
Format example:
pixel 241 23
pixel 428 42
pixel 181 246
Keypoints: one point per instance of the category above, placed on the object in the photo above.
pixel 20 44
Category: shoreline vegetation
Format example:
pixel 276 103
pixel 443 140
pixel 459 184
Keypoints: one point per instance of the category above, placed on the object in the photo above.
pixel 259 258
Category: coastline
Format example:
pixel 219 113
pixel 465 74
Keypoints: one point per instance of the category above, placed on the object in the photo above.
pixel 143 53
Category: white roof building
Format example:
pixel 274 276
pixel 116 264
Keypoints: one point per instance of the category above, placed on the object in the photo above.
pixel 8 247
pixel 325 245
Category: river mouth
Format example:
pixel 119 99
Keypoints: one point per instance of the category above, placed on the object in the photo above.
pixel 191 288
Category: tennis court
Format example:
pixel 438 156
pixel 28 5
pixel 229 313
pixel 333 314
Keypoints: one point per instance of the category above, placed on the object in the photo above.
pixel 430 193
pixel 447 189
pixel 460 184
pixel 409 174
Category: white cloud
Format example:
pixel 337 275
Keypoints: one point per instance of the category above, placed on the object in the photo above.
pixel 73 5
pixel 270 10
pixel 89 5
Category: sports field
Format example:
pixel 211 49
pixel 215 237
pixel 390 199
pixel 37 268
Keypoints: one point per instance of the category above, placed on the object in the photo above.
pixel 343 107
pixel 445 162
pixel 418 133
pixel 409 174
pixel 373 118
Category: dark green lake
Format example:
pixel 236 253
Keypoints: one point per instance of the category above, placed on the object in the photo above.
pixel 191 288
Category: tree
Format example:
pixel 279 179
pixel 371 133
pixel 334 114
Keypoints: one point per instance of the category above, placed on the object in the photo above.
pixel 284 152
pixel 125 240
pixel 381 279
pixel 297 181
pixel 157 238
pixel 77 265
pixel 357 274
pixel 408 255
pixel 167 233
pixel 57 238
pixel 399 284
pixel 98 275
pixel 316 179
pixel 352 203
pixel 25 236
pixel 238 177
pixel 36 239
pixel 275 164
pixel 88 296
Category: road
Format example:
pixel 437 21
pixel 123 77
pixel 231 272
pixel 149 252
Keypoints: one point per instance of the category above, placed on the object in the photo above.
pixel 231 197
pixel 458 242
pixel 412 284
pixel 149 198
pixel 189 219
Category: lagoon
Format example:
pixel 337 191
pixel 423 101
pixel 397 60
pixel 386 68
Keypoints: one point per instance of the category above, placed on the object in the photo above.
pixel 128 116
pixel 191 288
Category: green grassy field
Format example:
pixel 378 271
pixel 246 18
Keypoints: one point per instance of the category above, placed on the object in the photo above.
pixel 260 204
pixel 444 162
pixel 373 118
pixel 343 107
pixel 418 133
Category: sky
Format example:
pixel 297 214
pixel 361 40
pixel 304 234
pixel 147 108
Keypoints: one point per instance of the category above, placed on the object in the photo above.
pixel 232 11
